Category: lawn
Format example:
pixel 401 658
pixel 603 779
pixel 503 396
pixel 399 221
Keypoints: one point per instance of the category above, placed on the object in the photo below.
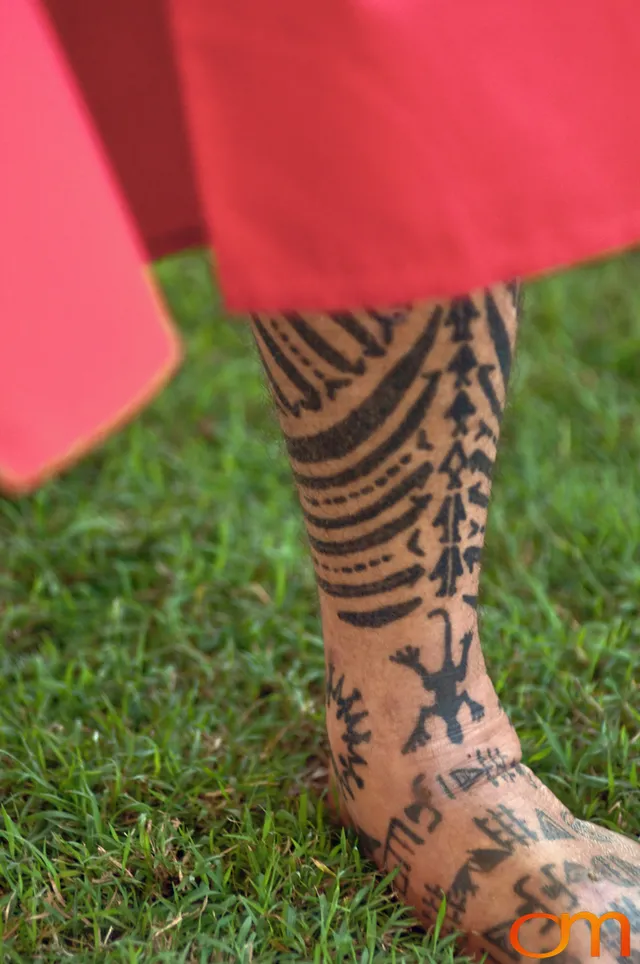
pixel 162 752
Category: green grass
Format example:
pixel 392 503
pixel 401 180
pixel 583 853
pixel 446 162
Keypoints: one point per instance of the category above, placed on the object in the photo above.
pixel 161 722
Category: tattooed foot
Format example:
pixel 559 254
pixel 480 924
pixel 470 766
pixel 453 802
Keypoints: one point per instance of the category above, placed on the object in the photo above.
pixel 391 420
pixel 486 835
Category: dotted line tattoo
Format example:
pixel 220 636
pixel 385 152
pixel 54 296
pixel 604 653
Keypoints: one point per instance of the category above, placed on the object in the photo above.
pixel 459 363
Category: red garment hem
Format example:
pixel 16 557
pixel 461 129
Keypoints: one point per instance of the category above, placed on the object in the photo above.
pixel 401 284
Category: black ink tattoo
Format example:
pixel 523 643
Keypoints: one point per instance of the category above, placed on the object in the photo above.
pixel 405 577
pixel 349 763
pixel 485 431
pixel 611 929
pixel 368 844
pixel 378 456
pixel 371 348
pixel 378 537
pixel 484 380
pixel 390 320
pixel 450 566
pixel 377 618
pixel 462 364
pixel 460 411
pixel 555 889
pixel 499 936
pixel 514 289
pixel 462 312
pixel 422 800
pixel 531 903
pixel 413 545
pixel 356 456
pixel 507 833
pixel 322 348
pixel 499 335
pixel 415 480
pixel 491 766
pixel 311 398
pixel 400 844
pixel 348 435
pixel 631 910
pixel 505 829
pixel 445 788
pixel 422 442
pixel 575 873
pixel 616 869
pixel 479 862
pixel 477 497
pixel 453 464
pixel 609 867
pixel 444 686
pixel 552 829
pixel 450 517
pixel 402 840
pixel 534 894
pixel 525 774
pixel 583 829
pixel 464 884
pixel 455 908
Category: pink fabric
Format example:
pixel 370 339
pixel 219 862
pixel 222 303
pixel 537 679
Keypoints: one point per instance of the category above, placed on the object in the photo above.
pixel 84 342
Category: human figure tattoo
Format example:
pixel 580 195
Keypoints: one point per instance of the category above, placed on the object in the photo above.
pixel 422 802
pixel 443 684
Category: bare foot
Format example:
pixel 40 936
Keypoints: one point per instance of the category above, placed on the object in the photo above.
pixel 391 418
pixel 473 825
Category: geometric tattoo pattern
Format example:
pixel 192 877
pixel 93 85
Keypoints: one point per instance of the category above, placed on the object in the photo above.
pixel 365 477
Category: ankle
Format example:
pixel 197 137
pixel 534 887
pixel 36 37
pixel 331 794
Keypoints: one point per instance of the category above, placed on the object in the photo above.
pixel 382 731
pixel 424 686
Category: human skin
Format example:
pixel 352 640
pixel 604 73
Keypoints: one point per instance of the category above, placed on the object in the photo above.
pixel 391 419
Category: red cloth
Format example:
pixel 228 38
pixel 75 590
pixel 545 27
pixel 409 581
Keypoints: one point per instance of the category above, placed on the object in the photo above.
pixel 338 153
pixel 368 151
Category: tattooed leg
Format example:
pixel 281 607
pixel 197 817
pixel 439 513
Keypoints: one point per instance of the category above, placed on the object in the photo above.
pixel 391 420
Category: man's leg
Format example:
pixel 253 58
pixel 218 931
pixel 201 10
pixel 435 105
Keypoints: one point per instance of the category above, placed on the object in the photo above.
pixel 391 421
